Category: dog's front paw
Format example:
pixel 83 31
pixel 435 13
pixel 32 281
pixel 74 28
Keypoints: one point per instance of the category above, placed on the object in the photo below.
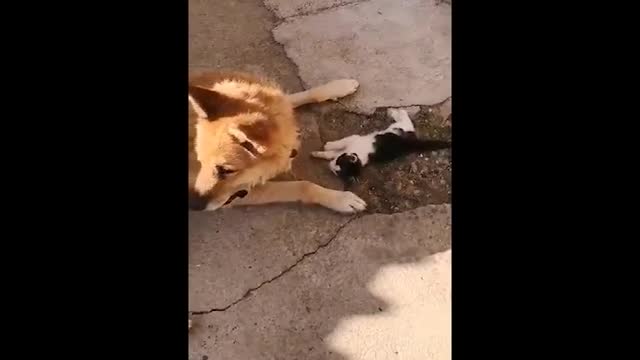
pixel 345 202
pixel 336 89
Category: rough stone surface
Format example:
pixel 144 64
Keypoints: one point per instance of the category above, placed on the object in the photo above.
pixel 445 108
pixel 304 166
pixel 412 111
pixel 399 51
pixel 233 250
pixel 411 181
pixel 376 271
pixel 237 35
pixel 287 8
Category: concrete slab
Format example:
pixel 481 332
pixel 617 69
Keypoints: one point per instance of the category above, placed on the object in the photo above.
pixel 234 250
pixel 377 270
pixel 237 35
pixel 287 8
pixel 445 109
pixel 412 111
pixel 399 51
pixel 417 324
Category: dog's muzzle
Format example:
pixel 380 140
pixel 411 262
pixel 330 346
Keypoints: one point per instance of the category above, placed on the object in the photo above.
pixel 197 202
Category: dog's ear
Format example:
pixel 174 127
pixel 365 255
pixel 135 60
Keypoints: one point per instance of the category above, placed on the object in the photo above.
pixel 253 137
pixel 204 101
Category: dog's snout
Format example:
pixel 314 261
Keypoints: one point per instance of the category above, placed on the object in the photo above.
pixel 197 202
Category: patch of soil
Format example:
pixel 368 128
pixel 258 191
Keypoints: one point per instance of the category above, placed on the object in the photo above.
pixel 406 183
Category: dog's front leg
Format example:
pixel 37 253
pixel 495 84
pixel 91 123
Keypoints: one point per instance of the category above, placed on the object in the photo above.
pixel 332 90
pixel 303 191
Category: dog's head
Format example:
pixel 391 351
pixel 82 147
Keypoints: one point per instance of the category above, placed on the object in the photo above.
pixel 236 144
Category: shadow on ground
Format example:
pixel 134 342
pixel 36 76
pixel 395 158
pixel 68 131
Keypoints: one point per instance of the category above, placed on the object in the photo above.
pixel 292 316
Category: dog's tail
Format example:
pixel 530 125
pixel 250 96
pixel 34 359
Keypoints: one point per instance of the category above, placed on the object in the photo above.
pixel 428 145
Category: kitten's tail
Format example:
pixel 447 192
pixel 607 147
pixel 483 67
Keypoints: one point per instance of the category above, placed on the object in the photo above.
pixel 429 145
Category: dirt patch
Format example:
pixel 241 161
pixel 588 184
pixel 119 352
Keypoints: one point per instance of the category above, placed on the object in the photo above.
pixel 406 183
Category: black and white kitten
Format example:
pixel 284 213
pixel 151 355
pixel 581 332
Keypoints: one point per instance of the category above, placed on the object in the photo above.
pixel 350 154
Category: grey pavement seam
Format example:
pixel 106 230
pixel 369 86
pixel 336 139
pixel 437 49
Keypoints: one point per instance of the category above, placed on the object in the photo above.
pixel 312 12
pixel 350 111
pixel 302 258
pixel 284 51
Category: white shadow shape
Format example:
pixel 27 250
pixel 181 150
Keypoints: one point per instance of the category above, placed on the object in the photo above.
pixel 415 325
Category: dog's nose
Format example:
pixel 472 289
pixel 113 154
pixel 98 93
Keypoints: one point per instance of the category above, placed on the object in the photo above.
pixel 197 202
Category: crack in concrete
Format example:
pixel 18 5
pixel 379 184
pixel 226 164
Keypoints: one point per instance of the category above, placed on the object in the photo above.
pixel 303 84
pixel 302 258
pixel 312 12
pixel 355 112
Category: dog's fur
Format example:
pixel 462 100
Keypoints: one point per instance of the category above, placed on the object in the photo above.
pixel 246 134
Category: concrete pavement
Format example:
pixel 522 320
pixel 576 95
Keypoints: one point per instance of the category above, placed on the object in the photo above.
pixel 399 50
pixel 371 288
pixel 298 282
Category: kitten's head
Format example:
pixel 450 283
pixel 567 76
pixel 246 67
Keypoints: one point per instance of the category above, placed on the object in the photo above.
pixel 346 166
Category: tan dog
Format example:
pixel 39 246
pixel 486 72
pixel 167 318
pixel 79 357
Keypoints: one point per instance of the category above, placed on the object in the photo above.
pixel 246 134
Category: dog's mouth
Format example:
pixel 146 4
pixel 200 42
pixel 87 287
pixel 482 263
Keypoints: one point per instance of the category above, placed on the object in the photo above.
pixel 238 194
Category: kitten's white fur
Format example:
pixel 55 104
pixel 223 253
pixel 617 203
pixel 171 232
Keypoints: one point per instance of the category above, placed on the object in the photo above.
pixel 362 145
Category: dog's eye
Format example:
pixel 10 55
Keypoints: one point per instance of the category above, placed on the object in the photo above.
pixel 224 170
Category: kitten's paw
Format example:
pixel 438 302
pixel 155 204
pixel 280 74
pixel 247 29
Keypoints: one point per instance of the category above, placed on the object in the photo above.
pixel 397 114
pixel 327 155
pixel 340 144
pixel 345 202
pixel 336 89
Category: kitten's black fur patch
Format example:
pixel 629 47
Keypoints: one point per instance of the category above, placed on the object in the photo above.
pixel 350 166
pixel 390 146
